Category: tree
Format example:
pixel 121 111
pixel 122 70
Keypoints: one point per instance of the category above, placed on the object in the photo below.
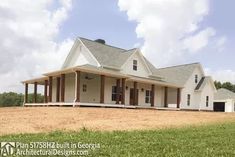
pixel 15 99
pixel 218 84
pixel 226 85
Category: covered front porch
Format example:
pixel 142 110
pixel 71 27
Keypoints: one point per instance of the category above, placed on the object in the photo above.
pixel 89 86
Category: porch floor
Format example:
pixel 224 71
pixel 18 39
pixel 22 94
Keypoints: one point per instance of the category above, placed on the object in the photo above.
pixel 82 104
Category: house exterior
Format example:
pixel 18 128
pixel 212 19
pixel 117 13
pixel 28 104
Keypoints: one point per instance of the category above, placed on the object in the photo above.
pixel 224 101
pixel 97 74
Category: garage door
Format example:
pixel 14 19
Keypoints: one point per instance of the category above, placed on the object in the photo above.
pixel 219 106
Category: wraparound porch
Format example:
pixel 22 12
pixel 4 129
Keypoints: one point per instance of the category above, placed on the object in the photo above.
pixel 90 87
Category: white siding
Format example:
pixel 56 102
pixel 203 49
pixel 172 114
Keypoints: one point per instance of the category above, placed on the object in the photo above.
pixel 142 70
pixel 70 88
pixel 229 105
pixel 92 95
pixel 189 88
pixel 172 97
pixel 207 91
pixel 159 96
pixel 80 56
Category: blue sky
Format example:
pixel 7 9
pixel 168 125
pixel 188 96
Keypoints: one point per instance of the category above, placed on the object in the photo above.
pixel 99 19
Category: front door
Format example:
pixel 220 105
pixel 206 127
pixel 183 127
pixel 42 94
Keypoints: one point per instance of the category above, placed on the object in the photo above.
pixel 132 96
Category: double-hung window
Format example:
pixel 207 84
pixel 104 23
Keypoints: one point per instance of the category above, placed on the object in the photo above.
pixel 188 99
pixel 147 96
pixel 207 101
pixel 135 65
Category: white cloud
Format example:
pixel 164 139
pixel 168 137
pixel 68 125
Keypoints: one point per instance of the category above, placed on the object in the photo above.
pixel 200 40
pixel 28 30
pixel 170 28
pixel 221 75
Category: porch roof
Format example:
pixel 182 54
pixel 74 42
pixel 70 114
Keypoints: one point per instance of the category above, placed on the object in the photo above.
pixel 39 80
pixel 89 69
pixel 153 81
pixel 101 71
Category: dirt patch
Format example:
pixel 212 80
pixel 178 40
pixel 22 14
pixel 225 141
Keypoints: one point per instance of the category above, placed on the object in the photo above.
pixel 44 119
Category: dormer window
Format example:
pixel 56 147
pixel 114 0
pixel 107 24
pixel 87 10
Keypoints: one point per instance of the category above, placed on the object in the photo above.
pixel 135 65
pixel 196 78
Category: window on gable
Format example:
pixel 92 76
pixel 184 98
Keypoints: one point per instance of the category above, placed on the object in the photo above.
pixel 135 65
pixel 188 99
pixel 196 78
pixel 207 101
pixel 114 93
pixel 147 96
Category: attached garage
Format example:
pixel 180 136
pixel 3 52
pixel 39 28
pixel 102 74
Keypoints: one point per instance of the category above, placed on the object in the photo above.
pixel 219 106
pixel 224 101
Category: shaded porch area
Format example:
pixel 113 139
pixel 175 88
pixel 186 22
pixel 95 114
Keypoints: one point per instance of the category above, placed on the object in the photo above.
pixel 84 86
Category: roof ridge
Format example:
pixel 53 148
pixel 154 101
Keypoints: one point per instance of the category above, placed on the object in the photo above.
pixel 178 65
pixel 103 44
pixel 131 49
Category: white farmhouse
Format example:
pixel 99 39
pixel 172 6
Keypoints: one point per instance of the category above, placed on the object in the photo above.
pixel 97 74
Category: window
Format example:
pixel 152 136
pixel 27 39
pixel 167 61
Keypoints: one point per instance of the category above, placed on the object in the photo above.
pixel 207 101
pixel 135 65
pixel 114 93
pixel 147 96
pixel 188 99
pixel 84 87
pixel 196 78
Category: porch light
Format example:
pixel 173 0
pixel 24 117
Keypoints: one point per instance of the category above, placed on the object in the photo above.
pixel 126 87
pixel 142 89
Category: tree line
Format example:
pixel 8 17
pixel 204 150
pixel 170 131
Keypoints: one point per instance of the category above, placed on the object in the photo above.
pixel 15 99
pixel 226 85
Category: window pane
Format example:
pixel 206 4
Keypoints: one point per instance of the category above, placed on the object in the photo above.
pixel 135 62
pixel 196 78
pixel 113 97
pixel 134 67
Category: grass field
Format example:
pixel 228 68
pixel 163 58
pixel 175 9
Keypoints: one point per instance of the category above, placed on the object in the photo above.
pixel 210 140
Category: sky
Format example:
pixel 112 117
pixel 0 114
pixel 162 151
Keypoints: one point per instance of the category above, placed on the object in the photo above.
pixel 36 36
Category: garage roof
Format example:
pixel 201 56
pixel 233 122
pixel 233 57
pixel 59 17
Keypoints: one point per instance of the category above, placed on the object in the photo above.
pixel 223 94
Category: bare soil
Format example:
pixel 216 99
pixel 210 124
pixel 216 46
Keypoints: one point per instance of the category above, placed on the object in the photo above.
pixel 17 120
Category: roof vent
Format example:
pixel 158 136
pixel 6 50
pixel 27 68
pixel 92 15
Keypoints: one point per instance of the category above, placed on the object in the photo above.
pixel 102 41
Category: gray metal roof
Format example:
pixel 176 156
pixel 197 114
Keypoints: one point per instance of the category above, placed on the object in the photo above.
pixel 107 55
pixel 115 57
pixel 223 94
pixel 177 74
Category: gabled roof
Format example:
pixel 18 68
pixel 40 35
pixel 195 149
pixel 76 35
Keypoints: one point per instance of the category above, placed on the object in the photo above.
pixel 113 58
pixel 106 55
pixel 177 74
pixel 203 82
pixel 223 94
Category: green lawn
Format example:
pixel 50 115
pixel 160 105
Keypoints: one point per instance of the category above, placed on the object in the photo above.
pixel 212 140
